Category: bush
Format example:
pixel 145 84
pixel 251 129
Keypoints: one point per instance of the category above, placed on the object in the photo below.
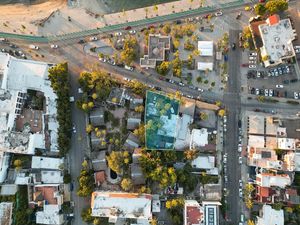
pixel 67 178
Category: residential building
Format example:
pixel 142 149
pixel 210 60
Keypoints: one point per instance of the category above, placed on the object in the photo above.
pixel 117 96
pixel 205 66
pixel 270 216
pixel 199 138
pixel 38 162
pixel 133 120
pixel 97 117
pixel 211 212
pixel 122 205
pixel 6 209
pixel 50 199
pixel 24 128
pixel 206 163
pixel 193 213
pixel 157 47
pixel 269 180
pixel 132 142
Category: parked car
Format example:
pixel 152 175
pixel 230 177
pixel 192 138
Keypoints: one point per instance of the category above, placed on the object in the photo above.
pixel 54 46
pixel 127 28
pixel 128 68
pixel 132 31
pixel 266 92
pixel 279 86
pixel 118 34
pixel 238 16
pixel 252 66
pixel 240 160
pixel 219 13
pixel 81 41
pixel 93 38
pixel 240 192
pixel 253 54
pixel 271 92
pixel 257 91
pixel 233 46
pixel 296 95
pixel 240 183
pixel 240 148
pixel 34 47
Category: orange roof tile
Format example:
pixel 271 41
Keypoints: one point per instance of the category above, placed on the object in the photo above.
pixel 274 19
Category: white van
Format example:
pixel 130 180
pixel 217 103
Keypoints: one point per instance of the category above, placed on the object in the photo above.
pixel 34 47
pixel 128 68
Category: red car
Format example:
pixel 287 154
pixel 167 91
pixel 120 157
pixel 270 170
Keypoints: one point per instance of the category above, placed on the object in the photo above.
pixel 127 28
pixel 261 1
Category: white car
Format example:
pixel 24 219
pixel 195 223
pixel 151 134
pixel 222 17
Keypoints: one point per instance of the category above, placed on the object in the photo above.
pixel 253 54
pixel 34 47
pixel 252 58
pixel 226 179
pixel 252 66
pixel 296 96
pixel 200 89
pixel 126 79
pixel 219 13
pixel 128 68
pixel 53 46
pixel 270 92
pixel 257 91
pixel 240 183
pixel 80 91
pixel 118 34
pixel 266 92
pixel 240 160
pixel 240 148
pixel 240 192
pixel 132 31
pixel 225 119
pixel 171 81
pixel 74 129
pixel 252 62
pixel 93 38
pixel 279 86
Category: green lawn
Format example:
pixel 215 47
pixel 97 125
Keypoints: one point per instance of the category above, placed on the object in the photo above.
pixel 119 5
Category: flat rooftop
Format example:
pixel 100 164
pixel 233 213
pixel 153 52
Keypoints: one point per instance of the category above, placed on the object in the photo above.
pixel 277 36
pixel 161 117
pixel 121 205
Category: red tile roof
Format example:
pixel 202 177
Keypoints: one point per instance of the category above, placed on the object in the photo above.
pixel 193 215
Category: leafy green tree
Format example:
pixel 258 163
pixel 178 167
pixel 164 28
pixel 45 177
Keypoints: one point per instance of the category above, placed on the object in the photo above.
pixel 116 161
pixel 139 109
pixel 86 215
pixel 140 132
pixel 85 180
pixel 275 6
pixel 18 164
pixel 260 9
pixel 126 184
pixel 175 209
pixel 176 43
pixel 163 68
pixel 166 28
pixel 188 45
pixel 177 65
pixel 137 87
pixel 129 53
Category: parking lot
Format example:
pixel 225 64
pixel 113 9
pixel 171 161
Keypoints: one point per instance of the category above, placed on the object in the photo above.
pixel 280 81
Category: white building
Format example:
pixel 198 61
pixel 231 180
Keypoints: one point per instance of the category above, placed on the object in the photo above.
pixel 199 138
pixel 271 180
pixel 205 163
pixel 277 36
pixel 205 66
pixel 17 76
pixel 6 209
pixel 122 205
pixel 39 162
pixel 206 48
pixel 270 216
pixel 50 215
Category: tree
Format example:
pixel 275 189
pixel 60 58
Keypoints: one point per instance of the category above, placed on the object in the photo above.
pixel 246 33
pixel 91 105
pixel 188 45
pixel 177 65
pixel 175 209
pixel 86 181
pixel 89 128
pixel 260 9
pixel 176 43
pixel 129 53
pixel 115 161
pixel 166 28
pixel 139 108
pixel 96 221
pixel 190 154
pixel 275 6
pixel 277 206
pixel 86 215
pixel 126 184
pixel 163 68
pixel 250 222
pixel 18 164
pixel 203 116
pixel 249 203
pixel 137 87
pixel 94 96
pixel 218 103
pixel 222 112
pixel 199 79
pixel 140 132
pixel 59 78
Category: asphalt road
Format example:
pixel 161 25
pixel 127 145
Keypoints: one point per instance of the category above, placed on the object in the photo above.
pixel 232 102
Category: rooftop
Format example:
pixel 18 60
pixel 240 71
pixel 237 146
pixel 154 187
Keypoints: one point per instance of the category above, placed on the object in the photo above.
pixel 115 205
pixel 97 117
pixel 50 215
pixel 206 48
pixel 193 213
pixel 270 216
pixel 269 180
pixel 199 138
pixel 6 209
pixel 277 36
pixel 117 96
pixel 39 162
pixel 161 117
